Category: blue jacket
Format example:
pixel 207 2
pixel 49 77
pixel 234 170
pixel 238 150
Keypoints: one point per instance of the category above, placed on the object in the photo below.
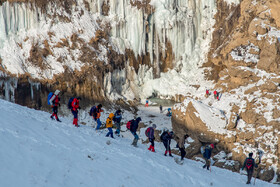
pixel 118 116
pixel 208 152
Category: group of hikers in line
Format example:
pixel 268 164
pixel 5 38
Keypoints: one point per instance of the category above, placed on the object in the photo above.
pixel 217 95
pixel 132 125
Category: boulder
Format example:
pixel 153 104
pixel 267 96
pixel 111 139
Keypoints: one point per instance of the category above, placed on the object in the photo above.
pixel 268 87
pixel 266 174
pixel 194 148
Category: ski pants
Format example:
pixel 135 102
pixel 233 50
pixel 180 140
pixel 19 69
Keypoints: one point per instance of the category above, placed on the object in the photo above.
pixel 183 153
pixel 135 135
pixel 208 162
pixel 55 110
pixel 118 127
pixel 75 114
pixel 250 174
pixel 135 138
pixel 75 120
pixel 167 145
pixel 152 140
pixel 110 132
pixel 98 124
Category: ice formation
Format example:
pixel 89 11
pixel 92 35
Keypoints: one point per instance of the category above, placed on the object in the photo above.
pixel 187 25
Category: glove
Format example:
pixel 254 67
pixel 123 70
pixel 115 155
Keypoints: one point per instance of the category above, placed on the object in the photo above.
pixel 59 104
pixel 79 107
pixel 52 106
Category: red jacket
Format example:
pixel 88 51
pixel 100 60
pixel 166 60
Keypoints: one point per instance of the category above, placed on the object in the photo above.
pixel 75 104
pixel 215 92
pixel 55 101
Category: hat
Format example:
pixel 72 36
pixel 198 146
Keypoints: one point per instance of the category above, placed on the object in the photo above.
pixel 154 126
pixel 79 98
pixel 171 132
pixel 111 115
pixel 99 106
pixel 212 145
pixel 250 154
pixel 138 119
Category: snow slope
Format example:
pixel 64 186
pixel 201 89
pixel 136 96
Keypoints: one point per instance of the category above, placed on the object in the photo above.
pixel 36 151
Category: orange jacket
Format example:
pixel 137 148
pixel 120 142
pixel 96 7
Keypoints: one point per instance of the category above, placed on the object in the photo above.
pixel 109 121
pixel 99 113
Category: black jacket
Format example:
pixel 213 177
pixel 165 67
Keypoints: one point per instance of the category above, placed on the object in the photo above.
pixel 134 125
pixel 252 166
pixel 165 137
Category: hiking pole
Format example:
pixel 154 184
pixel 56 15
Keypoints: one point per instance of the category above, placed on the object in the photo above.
pixel 260 152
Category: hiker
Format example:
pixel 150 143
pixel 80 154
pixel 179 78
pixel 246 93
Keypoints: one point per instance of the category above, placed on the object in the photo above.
pixel 75 105
pixel 166 137
pixel 215 94
pixel 96 115
pixel 117 119
pixel 181 145
pixel 160 108
pixel 207 93
pixel 147 103
pixel 249 163
pixel 150 133
pixel 236 120
pixel 54 101
pixel 207 155
pixel 109 125
pixel 169 112
pixel 133 129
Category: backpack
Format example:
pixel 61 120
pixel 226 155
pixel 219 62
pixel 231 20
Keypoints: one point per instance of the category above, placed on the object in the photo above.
pixel 128 124
pixel 70 102
pixel 162 135
pixel 49 97
pixel 249 163
pixel 147 132
pixel 92 111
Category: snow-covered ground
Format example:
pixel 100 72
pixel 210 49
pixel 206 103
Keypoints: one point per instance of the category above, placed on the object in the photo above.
pixel 36 151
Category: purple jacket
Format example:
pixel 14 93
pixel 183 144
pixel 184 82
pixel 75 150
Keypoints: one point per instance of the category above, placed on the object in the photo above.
pixel 151 133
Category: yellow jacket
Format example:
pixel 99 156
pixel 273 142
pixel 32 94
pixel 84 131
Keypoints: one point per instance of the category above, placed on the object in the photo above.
pixel 109 121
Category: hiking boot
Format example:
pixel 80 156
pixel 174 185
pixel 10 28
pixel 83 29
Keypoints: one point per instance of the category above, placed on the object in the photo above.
pixel 204 166
pixel 52 117
pixel 165 154
pixel 248 182
pixel 171 155
pixel 58 120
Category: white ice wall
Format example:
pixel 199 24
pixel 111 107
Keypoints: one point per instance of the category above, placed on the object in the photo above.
pixel 187 24
pixel 17 17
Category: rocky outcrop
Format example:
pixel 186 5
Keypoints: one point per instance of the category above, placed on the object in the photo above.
pixel 251 130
